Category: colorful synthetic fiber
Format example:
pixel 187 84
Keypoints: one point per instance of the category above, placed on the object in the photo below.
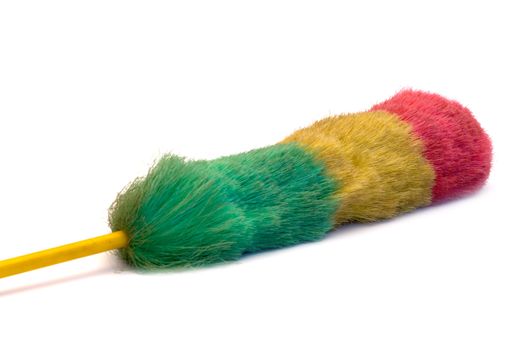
pixel 407 152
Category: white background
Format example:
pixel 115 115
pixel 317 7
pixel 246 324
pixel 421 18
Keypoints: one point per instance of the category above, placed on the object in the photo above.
pixel 92 92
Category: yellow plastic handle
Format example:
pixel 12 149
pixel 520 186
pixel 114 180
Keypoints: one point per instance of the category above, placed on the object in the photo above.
pixel 63 253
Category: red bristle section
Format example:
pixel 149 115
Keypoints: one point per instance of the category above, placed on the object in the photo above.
pixel 455 144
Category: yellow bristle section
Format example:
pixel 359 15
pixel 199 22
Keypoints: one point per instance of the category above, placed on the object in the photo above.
pixel 377 161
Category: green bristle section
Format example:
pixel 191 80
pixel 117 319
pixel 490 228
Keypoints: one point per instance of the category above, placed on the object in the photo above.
pixel 193 213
